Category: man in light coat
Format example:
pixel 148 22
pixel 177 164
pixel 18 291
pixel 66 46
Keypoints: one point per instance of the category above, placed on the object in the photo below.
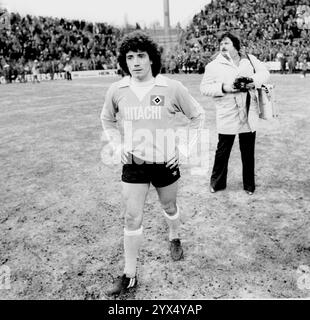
pixel 236 108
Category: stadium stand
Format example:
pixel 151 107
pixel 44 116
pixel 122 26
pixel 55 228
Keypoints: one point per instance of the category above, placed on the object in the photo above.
pixel 52 41
pixel 273 30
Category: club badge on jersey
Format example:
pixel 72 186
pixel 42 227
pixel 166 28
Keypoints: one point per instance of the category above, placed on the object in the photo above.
pixel 157 100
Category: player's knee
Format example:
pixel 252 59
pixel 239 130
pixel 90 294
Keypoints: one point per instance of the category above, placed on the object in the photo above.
pixel 133 220
pixel 169 207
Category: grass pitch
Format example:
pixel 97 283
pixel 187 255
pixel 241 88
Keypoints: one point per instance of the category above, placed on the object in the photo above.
pixel 60 216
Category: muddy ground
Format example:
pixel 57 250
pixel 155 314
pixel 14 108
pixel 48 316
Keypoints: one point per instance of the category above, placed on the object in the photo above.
pixel 60 217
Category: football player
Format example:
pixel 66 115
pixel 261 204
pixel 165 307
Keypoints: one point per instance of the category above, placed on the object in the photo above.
pixel 143 104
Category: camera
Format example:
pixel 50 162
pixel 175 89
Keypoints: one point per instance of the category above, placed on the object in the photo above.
pixel 241 83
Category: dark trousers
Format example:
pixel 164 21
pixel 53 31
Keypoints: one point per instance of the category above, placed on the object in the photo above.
pixel 68 75
pixel 220 167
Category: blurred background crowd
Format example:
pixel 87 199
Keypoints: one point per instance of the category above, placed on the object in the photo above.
pixel 273 30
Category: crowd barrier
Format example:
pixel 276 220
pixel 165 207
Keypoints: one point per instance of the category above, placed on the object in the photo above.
pixel 276 66
pixel 62 75
pixel 271 65
pixel 94 73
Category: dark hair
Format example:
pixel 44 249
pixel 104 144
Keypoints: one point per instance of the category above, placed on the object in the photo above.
pixel 139 41
pixel 235 40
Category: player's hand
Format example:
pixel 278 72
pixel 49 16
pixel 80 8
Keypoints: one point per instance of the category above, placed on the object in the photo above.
pixel 181 154
pixel 112 154
pixel 108 155
pixel 122 153
pixel 125 156
pixel 173 162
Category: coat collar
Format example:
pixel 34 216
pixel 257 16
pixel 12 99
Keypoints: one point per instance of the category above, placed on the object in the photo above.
pixel 221 59
pixel 159 81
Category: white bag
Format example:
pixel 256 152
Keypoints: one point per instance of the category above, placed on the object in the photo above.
pixel 266 102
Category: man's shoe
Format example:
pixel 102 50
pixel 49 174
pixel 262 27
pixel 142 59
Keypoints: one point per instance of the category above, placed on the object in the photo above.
pixel 176 250
pixel 122 284
pixel 249 191
pixel 212 189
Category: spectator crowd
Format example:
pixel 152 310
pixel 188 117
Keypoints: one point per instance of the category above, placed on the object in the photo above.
pixel 53 42
pixel 272 30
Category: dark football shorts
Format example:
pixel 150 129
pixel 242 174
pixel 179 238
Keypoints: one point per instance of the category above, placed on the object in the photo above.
pixel 139 171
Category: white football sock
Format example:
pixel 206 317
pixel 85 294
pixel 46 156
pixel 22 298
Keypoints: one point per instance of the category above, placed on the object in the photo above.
pixel 174 223
pixel 132 243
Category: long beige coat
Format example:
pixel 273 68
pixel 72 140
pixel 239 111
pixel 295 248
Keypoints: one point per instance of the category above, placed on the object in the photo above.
pixel 230 107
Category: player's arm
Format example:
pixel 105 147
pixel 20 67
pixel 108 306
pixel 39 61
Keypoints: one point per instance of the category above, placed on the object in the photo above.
pixel 111 133
pixel 186 104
